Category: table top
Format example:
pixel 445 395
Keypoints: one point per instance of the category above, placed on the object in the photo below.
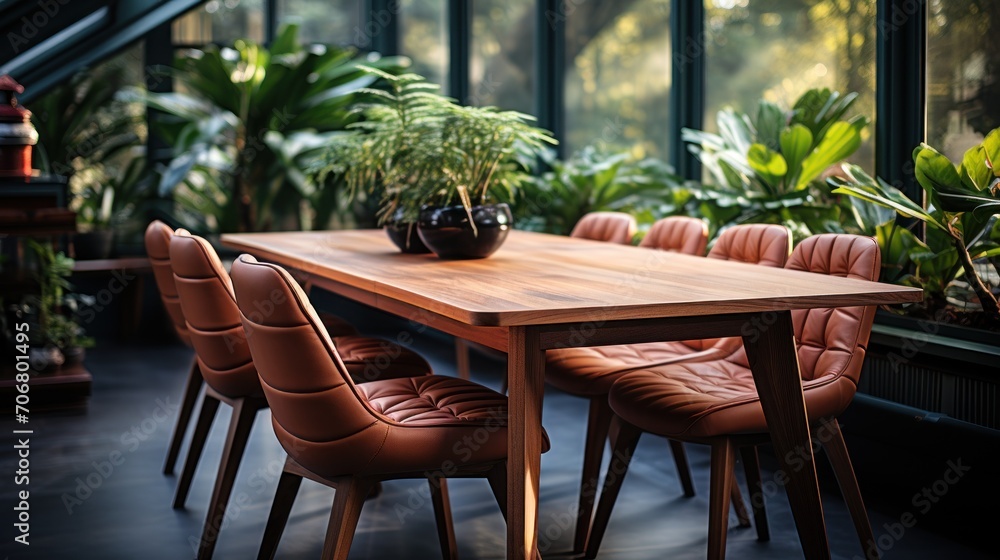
pixel 537 278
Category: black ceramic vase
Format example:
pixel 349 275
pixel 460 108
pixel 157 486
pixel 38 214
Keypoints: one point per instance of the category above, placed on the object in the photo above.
pixel 447 231
pixel 404 235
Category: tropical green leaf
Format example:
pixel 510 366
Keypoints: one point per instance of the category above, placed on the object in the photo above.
pixel 840 141
pixel 796 142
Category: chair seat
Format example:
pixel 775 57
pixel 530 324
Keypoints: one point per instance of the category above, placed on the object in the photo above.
pixel 370 359
pixel 707 399
pixel 591 371
pixel 337 326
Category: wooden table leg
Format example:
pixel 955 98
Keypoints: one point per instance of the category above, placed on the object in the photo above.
pixel 525 374
pixel 771 351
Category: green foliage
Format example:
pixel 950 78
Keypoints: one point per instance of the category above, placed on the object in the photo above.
pixel 764 167
pixel 112 201
pixel 960 217
pixel 52 275
pixel 418 148
pixel 244 122
pixel 591 181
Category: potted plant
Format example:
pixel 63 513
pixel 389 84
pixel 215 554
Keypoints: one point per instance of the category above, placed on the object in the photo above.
pixel 962 235
pixel 440 165
pixel 61 338
pixel 105 204
pixel 482 151
pixel 387 154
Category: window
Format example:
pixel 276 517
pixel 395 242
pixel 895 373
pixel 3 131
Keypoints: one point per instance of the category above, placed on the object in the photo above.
pixel 617 83
pixel 331 22
pixel 423 32
pixel 502 69
pixel 779 49
pixel 221 21
pixel 963 79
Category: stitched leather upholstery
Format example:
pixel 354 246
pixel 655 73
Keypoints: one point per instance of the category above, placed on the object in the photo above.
pixel 765 244
pixel 612 227
pixel 679 234
pixel 157 241
pixel 208 302
pixel 718 397
pixel 588 372
pixel 332 426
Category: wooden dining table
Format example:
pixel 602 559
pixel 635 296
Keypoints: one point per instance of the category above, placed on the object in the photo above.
pixel 541 291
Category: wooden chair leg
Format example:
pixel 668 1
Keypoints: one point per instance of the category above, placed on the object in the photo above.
pixel 190 398
pixel 281 507
pixel 209 405
pixel 497 478
pixel 751 467
pixel 836 450
pixel 622 447
pixel 347 504
pixel 723 461
pixel 683 470
pixel 736 497
pixel 598 423
pixel 442 514
pixel 244 412
pixel 462 358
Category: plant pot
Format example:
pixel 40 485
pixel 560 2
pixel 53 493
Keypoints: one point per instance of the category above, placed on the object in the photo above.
pixel 447 231
pixel 404 235
pixel 97 244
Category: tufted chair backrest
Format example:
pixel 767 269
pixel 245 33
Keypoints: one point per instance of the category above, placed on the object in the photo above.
pixel 213 320
pixel 762 244
pixel 317 413
pixel 679 234
pixel 832 341
pixel 157 241
pixel 612 227
pixel 765 244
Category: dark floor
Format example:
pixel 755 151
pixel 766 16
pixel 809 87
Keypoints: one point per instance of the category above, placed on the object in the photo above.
pixel 83 506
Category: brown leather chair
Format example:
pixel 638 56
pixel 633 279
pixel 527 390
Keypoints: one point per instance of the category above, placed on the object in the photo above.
pixel 350 436
pixel 611 227
pixel 365 357
pixel 716 402
pixel 213 325
pixel 679 234
pixel 589 372
pixel 157 242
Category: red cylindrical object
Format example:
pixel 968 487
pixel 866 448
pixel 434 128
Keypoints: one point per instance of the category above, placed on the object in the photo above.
pixel 17 134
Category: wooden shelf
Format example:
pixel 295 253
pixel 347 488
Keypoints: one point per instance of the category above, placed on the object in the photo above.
pixel 66 387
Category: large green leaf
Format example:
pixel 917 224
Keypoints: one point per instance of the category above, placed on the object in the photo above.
pixel 991 147
pixel 769 123
pixel 861 185
pixel 937 175
pixel 796 142
pixel 768 164
pixel 840 141
pixel 975 172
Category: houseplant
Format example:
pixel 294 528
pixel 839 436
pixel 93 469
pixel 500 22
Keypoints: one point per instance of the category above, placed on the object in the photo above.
pixel 767 167
pixel 104 206
pixel 592 181
pixel 962 232
pixel 440 164
pixel 385 155
pixel 59 335
pixel 241 109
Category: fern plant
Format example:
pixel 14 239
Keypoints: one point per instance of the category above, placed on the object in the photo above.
pixel 416 147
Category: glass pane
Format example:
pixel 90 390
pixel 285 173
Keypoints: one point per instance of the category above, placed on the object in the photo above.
pixel 221 21
pixel 781 48
pixel 617 83
pixel 503 54
pixel 423 30
pixel 963 89
pixel 331 22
